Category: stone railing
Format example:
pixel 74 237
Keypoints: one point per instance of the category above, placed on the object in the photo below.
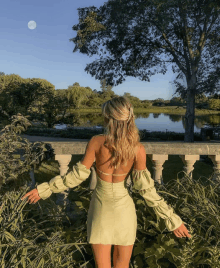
pixel 157 151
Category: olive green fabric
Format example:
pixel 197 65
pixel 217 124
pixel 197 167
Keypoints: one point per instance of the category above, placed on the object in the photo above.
pixel 145 185
pixel 60 183
pixel 142 182
pixel 112 218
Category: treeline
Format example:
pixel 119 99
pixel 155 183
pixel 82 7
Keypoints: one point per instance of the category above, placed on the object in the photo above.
pixel 38 97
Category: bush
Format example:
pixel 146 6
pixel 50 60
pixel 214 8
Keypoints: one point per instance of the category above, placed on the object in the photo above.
pixel 37 236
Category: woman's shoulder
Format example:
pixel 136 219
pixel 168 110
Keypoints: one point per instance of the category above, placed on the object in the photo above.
pixel 99 136
pixel 138 147
pixel 103 135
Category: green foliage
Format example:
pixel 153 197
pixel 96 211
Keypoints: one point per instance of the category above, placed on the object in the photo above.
pixel 77 94
pixel 45 234
pixel 193 201
pixel 35 236
pixel 52 106
pixel 104 86
pixel 136 34
pixel 121 27
pixel 11 165
pixel 94 102
pixel 40 236
pixel 146 104
pixel 20 95
pixel 8 85
pixel 214 104
pixel 176 100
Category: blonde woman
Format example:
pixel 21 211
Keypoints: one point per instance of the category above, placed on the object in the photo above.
pixel 112 219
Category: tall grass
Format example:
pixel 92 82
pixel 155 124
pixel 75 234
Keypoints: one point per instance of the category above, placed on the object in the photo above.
pixel 42 235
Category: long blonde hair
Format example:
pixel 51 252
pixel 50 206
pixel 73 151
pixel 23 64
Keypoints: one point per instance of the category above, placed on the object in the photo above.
pixel 122 135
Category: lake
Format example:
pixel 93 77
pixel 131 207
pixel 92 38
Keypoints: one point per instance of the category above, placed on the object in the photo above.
pixel 149 121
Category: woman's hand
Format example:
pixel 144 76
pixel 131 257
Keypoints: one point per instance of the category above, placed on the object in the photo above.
pixel 33 196
pixel 181 231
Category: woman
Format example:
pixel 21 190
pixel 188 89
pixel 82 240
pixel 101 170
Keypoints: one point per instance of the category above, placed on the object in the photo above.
pixel 112 216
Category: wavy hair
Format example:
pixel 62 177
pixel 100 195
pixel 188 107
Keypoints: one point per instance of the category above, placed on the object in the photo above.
pixel 122 134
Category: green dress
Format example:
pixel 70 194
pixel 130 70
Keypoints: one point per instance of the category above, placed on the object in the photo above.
pixel 112 215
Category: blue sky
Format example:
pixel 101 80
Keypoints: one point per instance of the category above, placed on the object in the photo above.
pixel 47 53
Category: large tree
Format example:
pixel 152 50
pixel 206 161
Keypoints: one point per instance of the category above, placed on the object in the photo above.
pixel 104 86
pixel 9 85
pixel 18 94
pixel 34 96
pixel 137 33
pixel 77 94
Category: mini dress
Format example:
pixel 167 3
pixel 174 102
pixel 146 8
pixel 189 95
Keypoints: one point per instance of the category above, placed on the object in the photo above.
pixel 112 215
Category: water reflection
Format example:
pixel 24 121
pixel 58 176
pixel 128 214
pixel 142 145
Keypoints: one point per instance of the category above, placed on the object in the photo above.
pixel 148 121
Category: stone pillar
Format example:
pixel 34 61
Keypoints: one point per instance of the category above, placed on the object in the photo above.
pixel 158 161
pixel 189 161
pixel 63 160
pixel 216 161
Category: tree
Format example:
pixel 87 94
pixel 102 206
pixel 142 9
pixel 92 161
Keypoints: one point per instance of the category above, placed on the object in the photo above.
pixel 52 108
pixel 137 33
pixel 76 84
pixel 107 92
pixel 77 94
pixel 33 89
pixel 24 93
pixel 104 85
pixel 8 85
pixel 33 96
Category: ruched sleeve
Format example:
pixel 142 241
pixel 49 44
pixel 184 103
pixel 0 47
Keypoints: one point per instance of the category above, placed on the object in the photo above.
pixel 61 183
pixel 144 184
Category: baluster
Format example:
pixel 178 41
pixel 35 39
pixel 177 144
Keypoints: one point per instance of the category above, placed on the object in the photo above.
pixel 63 160
pixel 189 161
pixel 158 161
pixel 216 161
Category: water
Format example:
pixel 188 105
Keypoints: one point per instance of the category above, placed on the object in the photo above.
pixel 152 122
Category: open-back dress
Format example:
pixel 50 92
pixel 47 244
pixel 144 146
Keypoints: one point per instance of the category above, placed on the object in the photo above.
pixel 112 215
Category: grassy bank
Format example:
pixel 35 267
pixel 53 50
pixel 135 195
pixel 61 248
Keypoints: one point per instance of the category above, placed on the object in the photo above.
pixel 83 134
pixel 154 109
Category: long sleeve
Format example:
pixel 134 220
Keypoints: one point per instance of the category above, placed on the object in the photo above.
pixel 143 182
pixel 61 183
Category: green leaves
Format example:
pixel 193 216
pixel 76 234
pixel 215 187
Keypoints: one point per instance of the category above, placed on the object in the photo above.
pixel 137 33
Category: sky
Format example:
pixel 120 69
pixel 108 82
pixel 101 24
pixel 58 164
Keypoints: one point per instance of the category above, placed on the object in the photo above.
pixel 46 52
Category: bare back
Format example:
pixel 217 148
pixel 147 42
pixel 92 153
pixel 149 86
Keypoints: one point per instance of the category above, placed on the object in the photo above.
pixel 103 155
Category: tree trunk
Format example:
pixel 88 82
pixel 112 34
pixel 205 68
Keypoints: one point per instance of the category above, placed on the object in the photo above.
pixel 62 119
pixel 50 120
pixel 190 110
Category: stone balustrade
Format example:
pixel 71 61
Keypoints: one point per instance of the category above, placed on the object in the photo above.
pixel 157 151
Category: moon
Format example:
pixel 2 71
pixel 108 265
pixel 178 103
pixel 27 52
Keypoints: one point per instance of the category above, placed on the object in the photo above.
pixel 32 24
